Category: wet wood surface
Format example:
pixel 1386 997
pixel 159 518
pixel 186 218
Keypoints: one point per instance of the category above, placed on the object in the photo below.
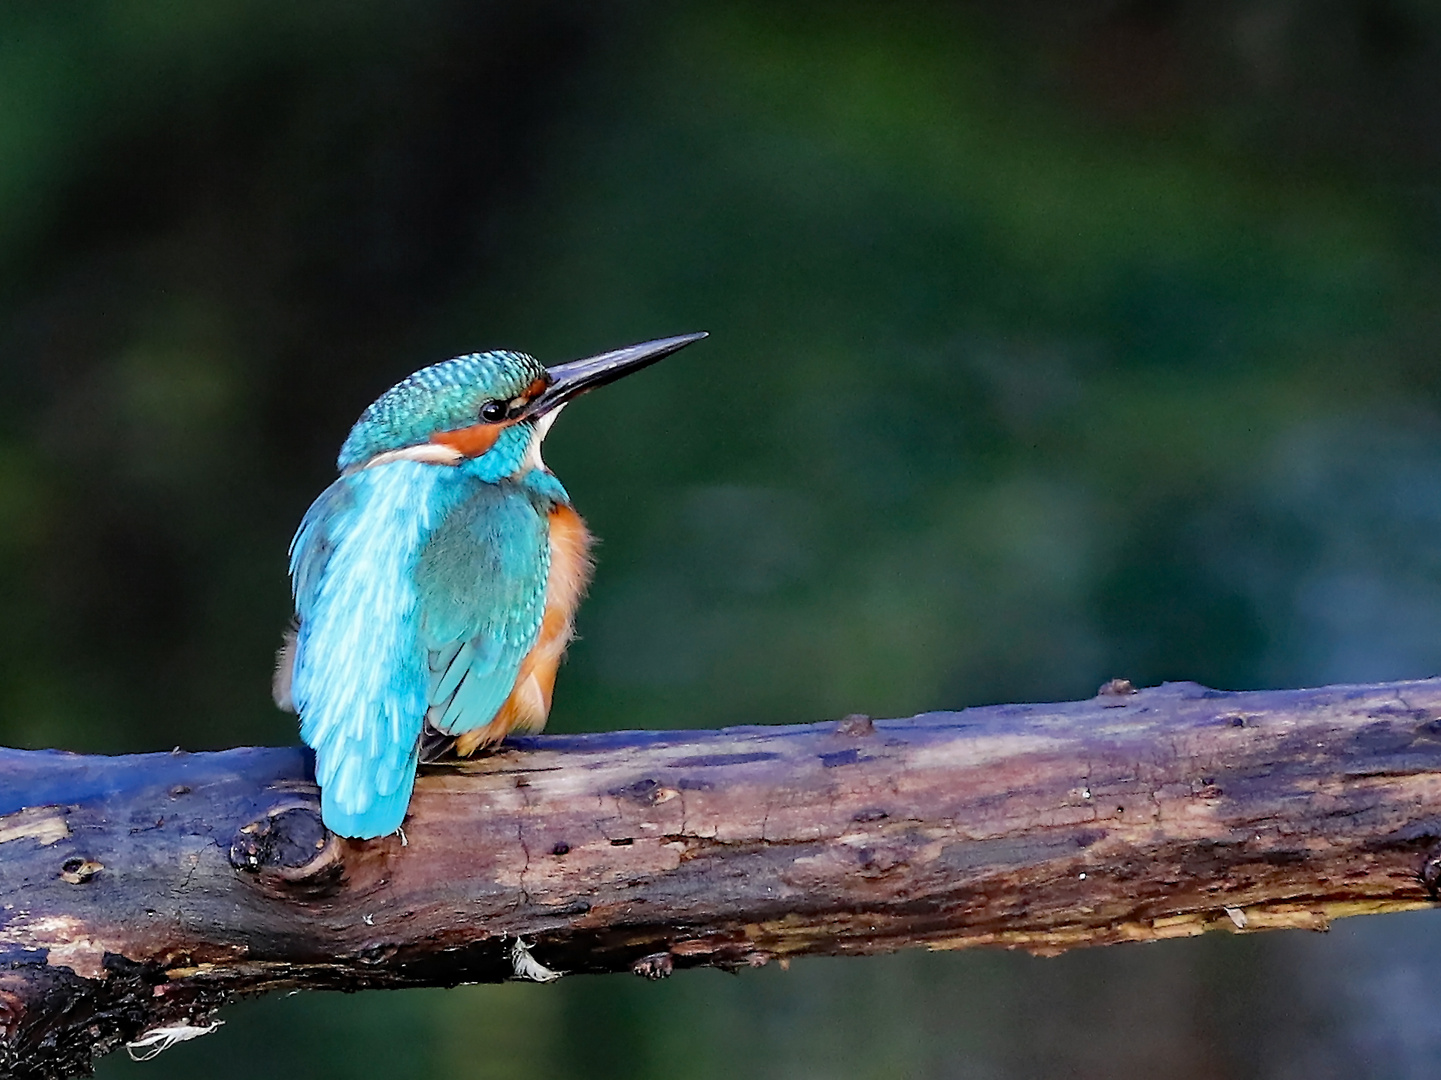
pixel 146 891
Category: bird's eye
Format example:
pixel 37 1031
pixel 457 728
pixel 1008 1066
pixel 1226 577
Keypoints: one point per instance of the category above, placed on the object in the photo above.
pixel 493 412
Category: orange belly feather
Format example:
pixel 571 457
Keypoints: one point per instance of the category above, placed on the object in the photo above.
pixel 528 705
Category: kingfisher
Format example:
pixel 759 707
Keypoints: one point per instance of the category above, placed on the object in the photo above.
pixel 436 581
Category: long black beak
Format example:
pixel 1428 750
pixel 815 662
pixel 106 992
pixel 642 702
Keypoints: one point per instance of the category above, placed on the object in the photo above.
pixel 575 378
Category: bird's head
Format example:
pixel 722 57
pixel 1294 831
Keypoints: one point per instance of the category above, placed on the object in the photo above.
pixel 493 408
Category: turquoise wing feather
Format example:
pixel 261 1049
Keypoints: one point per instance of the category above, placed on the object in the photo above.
pixel 481 581
pixel 359 678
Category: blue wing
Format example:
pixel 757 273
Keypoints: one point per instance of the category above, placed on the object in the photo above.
pixel 481 581
pixel 359 676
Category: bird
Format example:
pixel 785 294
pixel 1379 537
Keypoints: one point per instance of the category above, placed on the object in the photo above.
pixel 436 580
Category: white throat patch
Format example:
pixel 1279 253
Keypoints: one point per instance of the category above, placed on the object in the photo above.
pixel 532 459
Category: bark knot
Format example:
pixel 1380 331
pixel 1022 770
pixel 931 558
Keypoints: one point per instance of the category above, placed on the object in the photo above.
pixel 856 725
pixel 290 845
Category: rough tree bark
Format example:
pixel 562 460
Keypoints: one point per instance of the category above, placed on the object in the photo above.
pixel 146 891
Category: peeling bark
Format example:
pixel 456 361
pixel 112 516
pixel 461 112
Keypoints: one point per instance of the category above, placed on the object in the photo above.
pixel 145 891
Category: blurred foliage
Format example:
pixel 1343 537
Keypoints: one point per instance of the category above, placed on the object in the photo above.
pixel 1051 342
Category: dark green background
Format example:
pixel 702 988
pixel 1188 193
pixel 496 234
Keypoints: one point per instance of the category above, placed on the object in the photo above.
pixel 1051 342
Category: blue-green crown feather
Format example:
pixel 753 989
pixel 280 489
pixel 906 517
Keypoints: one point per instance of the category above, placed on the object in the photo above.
pixel 442 397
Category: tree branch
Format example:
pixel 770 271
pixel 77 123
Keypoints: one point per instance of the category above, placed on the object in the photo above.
pixel 146 891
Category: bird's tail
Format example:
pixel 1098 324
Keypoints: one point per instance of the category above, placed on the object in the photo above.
pixel 363 798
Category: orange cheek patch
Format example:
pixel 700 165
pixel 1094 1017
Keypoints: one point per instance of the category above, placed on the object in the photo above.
pixel 470 441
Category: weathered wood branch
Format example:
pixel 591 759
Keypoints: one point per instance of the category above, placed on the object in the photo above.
pixel 149 890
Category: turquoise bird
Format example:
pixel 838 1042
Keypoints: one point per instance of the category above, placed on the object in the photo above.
pixel 436 581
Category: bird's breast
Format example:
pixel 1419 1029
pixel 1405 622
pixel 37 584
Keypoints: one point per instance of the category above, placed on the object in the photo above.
pixel 570 562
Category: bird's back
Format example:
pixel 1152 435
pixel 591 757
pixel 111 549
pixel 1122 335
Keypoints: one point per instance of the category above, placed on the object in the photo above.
pixel 420 591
